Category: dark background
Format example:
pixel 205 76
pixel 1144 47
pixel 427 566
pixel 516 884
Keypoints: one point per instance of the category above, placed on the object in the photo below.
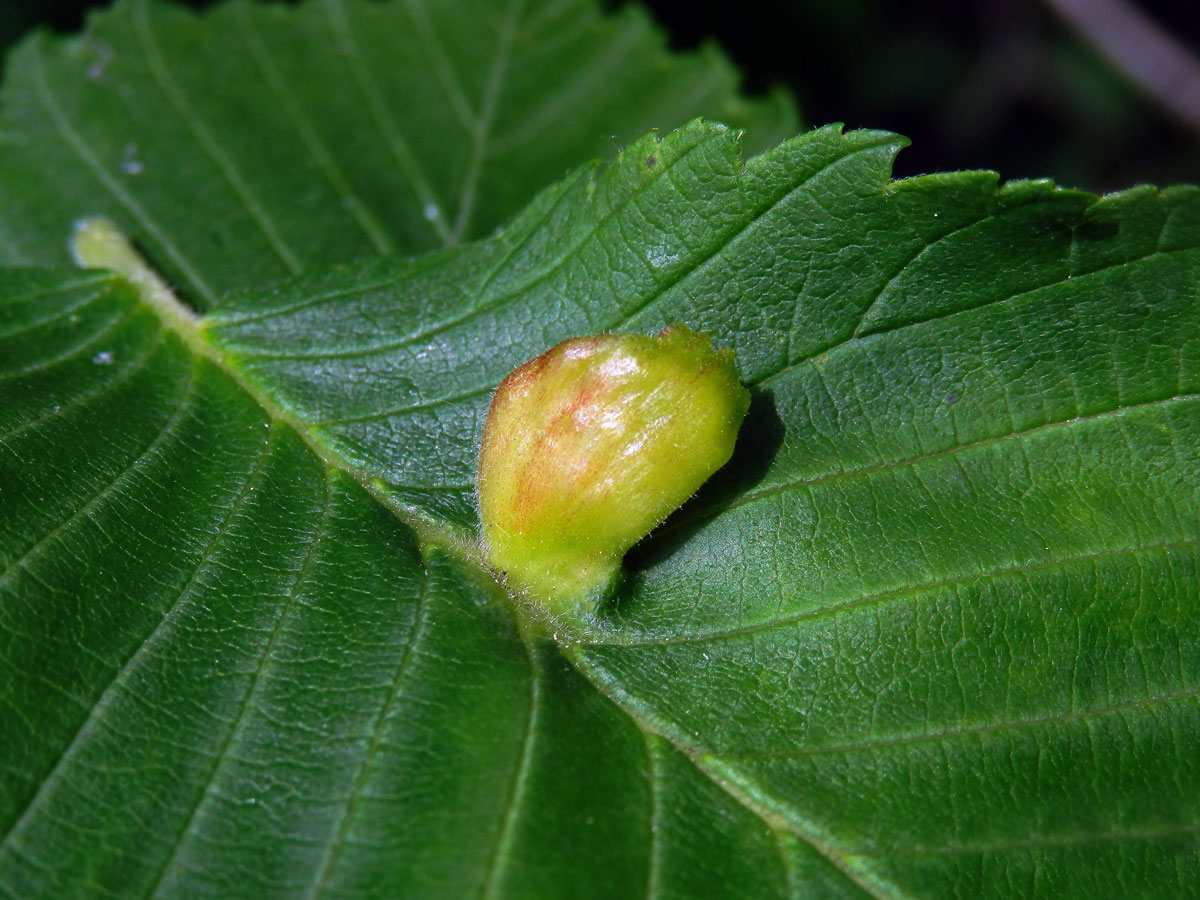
pixel 997 84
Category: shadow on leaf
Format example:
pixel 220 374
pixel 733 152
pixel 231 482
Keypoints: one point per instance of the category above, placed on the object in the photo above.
pixel 757 444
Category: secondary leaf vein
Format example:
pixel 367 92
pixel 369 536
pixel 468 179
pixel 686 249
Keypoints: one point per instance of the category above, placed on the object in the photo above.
pixel 208 143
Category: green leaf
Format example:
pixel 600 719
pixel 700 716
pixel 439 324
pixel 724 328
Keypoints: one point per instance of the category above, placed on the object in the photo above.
pixel 931 633
pixel 935 617
pixel 250 143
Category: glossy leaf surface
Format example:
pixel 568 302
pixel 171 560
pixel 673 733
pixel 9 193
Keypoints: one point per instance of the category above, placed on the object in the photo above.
pixel 254 141
pixel 931 633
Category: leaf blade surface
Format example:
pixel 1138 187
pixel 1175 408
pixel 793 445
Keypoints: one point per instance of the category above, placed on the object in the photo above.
pixel 332 131
pixel 931 634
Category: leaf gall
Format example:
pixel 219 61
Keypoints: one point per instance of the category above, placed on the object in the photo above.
pixel 590 446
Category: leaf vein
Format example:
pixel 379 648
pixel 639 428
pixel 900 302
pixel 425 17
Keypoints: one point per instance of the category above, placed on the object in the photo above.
pixel 967 310
pixel 221 318
pixel 578 89
pixel 385 122
pixel 61 314
pixel 110 325
pixel 124 375
pixel 882 596
pixel 900 741
pixel 139 649
pixel 856 331
pixel 371 227
pixel 208 143
pixel 487 113
pixel 793 823
pixel 756 215
pixel 334 851
pixel 505 298
pixel 1019 435
pixel 387 413
pixel 246 703
pixel 442 66
pixel 501 850
pixel 1039 841
pixel 654 776
pixel 182 403
pixel 83 152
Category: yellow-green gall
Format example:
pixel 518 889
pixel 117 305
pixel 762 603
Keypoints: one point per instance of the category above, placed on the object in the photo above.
pixel 592 444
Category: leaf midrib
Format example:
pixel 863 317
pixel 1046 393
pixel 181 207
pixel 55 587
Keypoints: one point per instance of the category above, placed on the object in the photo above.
pixel 463 546
pixel 778 822
pixel 177 319
pixel 726 774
